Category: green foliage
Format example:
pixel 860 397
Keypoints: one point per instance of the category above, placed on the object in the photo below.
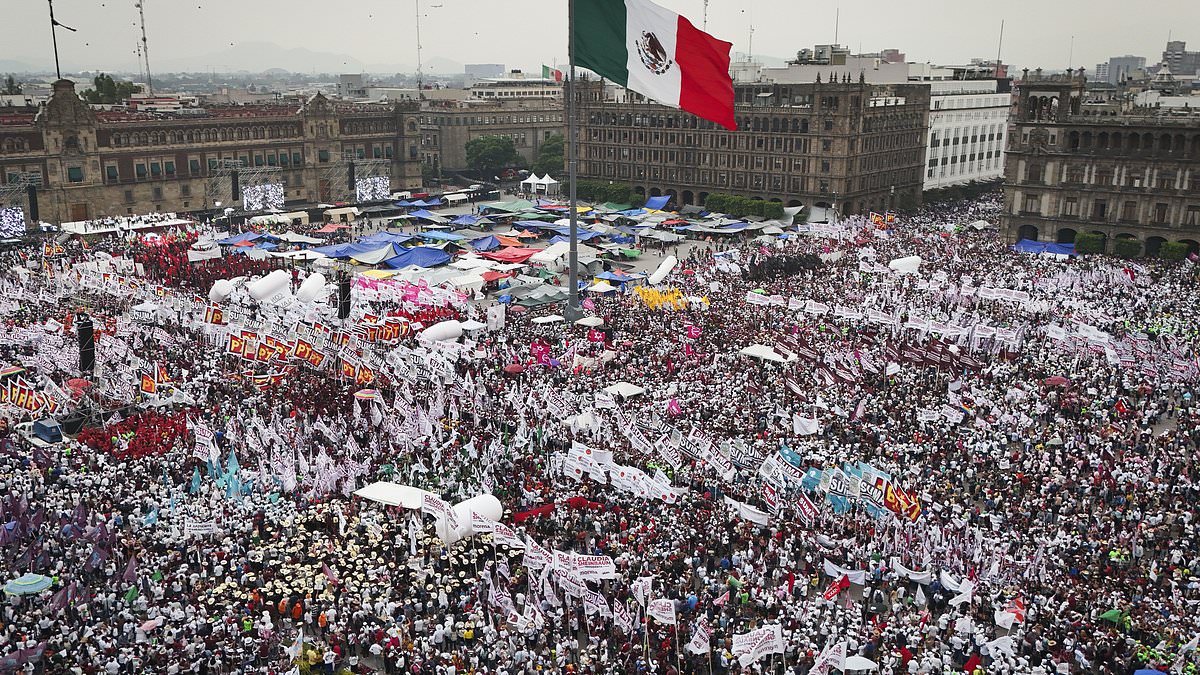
pixel 11 88
pixel 743 206
pixel 429 174
pixel 1087 242
pixel 1127 247
pixel 549 158
pixel 490 154
pixel 602 191
pixel 107 91
pixel 1173 250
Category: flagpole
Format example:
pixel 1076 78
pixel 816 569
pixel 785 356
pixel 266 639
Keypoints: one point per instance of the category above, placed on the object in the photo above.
pixel 572 312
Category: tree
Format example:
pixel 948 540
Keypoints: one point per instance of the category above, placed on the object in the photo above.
pixel 489 154
pixel 107 91
pixel 11 88
pixel 550 156
pixel 1173 250
pixel 1127 247
pixel 1089 242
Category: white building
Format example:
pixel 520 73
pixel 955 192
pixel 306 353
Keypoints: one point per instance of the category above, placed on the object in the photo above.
pixel 968 122
pixel 515 86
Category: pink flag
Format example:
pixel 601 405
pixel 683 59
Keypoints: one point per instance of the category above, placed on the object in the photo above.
pixel 329 573
pixel 673 408
pixel 588 304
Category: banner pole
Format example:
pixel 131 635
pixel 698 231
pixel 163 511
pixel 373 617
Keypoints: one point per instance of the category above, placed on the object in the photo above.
pixel 572 312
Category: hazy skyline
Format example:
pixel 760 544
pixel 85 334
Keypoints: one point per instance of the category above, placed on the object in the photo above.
pixel 380 36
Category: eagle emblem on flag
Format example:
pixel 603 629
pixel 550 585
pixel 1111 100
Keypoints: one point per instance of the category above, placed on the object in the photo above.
pixel 653 55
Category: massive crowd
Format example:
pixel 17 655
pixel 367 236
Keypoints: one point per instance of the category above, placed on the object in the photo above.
pixel 1033 417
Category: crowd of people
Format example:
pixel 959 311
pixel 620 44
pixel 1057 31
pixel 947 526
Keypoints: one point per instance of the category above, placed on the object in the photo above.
pixel 979 461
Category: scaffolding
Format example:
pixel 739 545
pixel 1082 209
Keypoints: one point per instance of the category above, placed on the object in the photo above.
pixel 335 183
pixel 15 193
pixel 218 189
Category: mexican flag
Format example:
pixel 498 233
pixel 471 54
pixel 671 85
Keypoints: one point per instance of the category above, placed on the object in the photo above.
pixel 657 53
pixel 549 73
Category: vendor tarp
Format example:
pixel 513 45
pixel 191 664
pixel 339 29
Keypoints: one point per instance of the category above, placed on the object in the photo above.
pixel 420 256
pixel 1030 246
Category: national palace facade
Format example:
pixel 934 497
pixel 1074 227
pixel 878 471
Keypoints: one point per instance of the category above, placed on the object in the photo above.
pixel 89 164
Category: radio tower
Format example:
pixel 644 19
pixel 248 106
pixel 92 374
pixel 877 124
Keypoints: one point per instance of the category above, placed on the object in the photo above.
pixel 140 4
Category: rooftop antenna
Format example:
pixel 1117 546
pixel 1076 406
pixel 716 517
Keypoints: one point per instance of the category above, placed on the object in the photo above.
pixel 837 17
pixel 1071 55
pixel 750 47
pixel 705 28
pixel 420 78
pixel 54 37
pixel 996 65
pixel 140 4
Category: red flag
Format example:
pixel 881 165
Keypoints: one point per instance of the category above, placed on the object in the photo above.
pixel 973 663
pixel 329 573
pixel 837 587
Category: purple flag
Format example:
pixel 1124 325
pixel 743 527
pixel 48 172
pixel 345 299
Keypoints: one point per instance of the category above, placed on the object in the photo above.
pixel 130 575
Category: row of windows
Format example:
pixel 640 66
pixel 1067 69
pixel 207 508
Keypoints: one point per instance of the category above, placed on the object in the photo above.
pixel 975 167
pixel 474 120
pixel 1134 142
pixel 720 141
pixel 1160 213
pixel 15 145
pixel 962 158
pixel 1126 177
pixel 143 138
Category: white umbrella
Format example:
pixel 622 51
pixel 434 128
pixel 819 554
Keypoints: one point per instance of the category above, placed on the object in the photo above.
pixel 860 663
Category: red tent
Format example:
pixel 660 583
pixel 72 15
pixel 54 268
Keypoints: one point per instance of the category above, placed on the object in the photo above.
pixel 332 228
pixel 512 254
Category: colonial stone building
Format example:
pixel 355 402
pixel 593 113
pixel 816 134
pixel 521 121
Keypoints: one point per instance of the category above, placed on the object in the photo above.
pixel 447 126
pixel 90 164
pixel 851 145
pixel 1076 165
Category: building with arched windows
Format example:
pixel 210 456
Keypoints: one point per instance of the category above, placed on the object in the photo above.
pixel 93 164
pixel 848 144
pixel 1110 167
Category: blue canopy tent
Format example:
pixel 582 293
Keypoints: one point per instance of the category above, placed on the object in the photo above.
pixel 239 238
pixel 403 203
pixel 425 215
pixel 1031 246
pixel 488 243
pixel 441 236
pixel 657 203
pixel 466 219
pixel 421 256
pixel 382 238
pixel 265 246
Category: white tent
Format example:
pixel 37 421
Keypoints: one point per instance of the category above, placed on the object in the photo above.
pixel 590 321
pixel 550 318
pixel 760 351
pixel 908 265
pixel 626 389
pixel 393 494
pixel 858 664
pixel 455 198
pixel 530 183
pixel 468 283
pixel 601 287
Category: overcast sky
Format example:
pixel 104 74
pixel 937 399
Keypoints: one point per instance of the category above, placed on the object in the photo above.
pixel 525 34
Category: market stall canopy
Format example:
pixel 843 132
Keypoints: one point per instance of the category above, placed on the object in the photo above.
pixel 337 214
pixel 331 228
pixel 420 256
pixel 422 214
pixel 297 238
pixel 601 287
pixel 549 318
pixel 657 203
pixel 512 254
pixel 376 256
